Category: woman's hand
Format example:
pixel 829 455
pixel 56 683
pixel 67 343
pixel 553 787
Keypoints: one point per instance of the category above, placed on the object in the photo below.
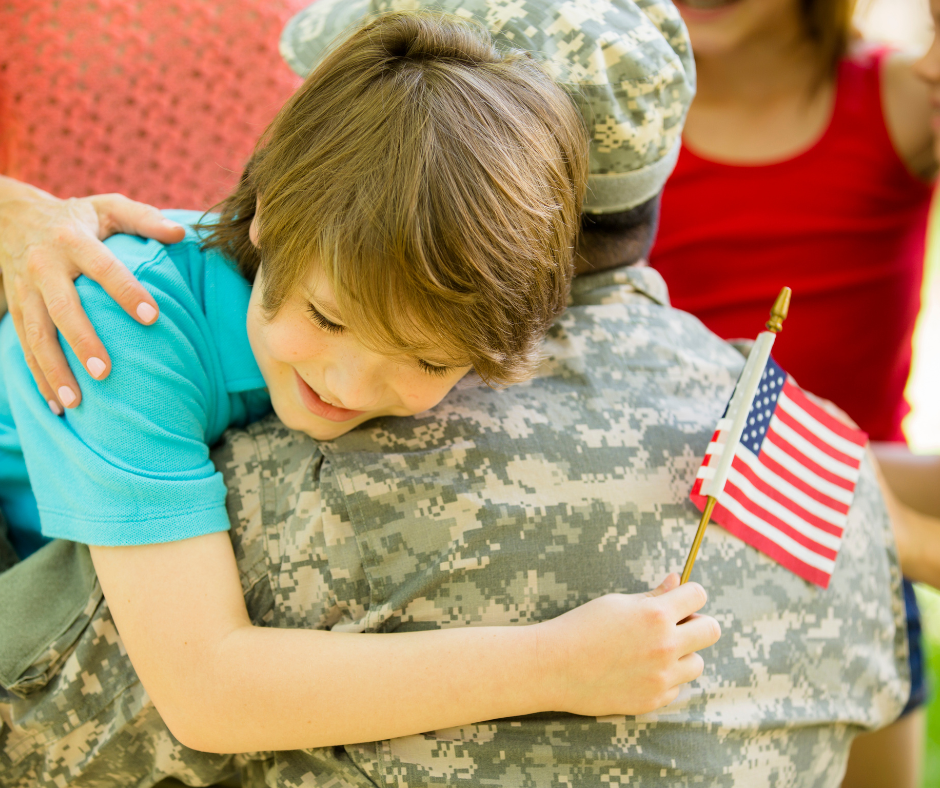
pixel 627 653
pixel 47 243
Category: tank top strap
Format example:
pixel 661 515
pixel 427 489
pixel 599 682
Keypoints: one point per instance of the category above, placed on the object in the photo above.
pixel 858 100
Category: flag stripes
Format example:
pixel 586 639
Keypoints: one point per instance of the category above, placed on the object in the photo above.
pixel 791 481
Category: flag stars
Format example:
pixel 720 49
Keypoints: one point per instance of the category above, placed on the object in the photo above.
pixel 762 409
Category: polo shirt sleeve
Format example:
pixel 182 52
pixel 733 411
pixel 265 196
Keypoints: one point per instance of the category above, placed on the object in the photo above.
pixel 131 464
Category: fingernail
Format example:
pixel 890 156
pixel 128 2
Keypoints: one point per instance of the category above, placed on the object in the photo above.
pixel 146 312
pixel 66 395
pixel 170 225
pixel 55 407
pixel 95 366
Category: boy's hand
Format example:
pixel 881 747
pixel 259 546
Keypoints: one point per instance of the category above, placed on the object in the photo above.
pixel 45 244
pixel 627 653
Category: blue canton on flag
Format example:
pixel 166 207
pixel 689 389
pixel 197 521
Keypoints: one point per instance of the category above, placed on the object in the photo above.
pixel 758 419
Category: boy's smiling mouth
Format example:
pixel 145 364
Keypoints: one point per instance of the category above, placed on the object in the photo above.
pixel 319 406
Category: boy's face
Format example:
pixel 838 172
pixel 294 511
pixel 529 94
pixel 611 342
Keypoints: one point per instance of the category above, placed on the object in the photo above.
pixel 928 69
pixel 323 381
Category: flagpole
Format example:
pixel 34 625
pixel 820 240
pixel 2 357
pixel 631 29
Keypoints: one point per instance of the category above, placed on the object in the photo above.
pixel 697 542
pixel 744 394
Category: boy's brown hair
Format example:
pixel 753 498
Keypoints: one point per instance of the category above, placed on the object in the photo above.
pixel 437 183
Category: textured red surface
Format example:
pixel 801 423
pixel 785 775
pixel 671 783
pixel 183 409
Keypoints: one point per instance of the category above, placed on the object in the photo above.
pixel 161 100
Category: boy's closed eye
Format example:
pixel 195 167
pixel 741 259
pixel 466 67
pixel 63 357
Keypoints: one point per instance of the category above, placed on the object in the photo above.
pixel 327 325
pixel 336 328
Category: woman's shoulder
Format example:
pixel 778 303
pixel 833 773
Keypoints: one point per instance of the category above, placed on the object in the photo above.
pixel 905 103
pixel 877 85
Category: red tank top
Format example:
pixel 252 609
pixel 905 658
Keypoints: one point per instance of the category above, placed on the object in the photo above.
pixel 842 223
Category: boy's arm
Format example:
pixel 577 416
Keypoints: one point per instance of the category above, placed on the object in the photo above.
pixel 223 685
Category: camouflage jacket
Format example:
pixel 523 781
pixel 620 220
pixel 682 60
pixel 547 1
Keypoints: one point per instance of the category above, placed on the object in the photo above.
pixel 507 507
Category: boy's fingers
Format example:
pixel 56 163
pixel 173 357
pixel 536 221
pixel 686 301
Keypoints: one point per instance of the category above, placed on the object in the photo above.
pixel 670 695
pixel 39 338
pixel 96 261
pixel 669 583
pixel 118 214
pixel 689 668
pixel 697 633
pixel 684 600
pixel 66 311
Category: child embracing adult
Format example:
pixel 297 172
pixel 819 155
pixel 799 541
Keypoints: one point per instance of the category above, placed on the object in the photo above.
pixel 410 215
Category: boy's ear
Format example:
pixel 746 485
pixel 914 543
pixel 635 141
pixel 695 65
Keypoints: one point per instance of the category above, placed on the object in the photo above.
pixel 253 228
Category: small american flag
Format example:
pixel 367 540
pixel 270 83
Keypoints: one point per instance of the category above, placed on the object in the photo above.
pixel 791 480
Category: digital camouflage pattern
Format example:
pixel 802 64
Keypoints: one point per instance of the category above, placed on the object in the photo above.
pixel 627 65
pixel 505 508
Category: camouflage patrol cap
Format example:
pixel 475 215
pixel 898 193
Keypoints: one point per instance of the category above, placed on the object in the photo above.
pixel 627 64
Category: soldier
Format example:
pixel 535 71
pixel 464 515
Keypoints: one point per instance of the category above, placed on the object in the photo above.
pixel 513 506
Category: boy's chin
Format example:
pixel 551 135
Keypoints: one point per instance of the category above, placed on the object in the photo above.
pixel 317 428
pixel 329 433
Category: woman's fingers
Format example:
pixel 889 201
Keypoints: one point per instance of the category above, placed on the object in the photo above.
pixel 66 312
pixel 17 316
pixel 43 354
pixel 95 260
pixel 118 214
pixel 45 244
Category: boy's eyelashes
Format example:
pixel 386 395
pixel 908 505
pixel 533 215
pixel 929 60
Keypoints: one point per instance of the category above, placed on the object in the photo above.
pixel 327 325
pixel 335 328
pixel 431 369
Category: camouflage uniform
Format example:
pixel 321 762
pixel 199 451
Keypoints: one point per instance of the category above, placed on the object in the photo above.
pixel 508 507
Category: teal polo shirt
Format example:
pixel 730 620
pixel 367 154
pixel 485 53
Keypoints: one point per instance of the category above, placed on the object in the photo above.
pixel 130 465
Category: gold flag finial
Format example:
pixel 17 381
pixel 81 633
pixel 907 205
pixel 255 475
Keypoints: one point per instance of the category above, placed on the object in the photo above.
pixel 779 312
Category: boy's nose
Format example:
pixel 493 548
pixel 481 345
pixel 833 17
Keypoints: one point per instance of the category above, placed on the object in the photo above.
pixel 354 382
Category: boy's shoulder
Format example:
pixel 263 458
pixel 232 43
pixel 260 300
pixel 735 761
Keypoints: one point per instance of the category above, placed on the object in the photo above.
pixel 180 269
pixel 139 253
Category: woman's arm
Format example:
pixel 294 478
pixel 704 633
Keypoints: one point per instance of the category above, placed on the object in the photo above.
pixel 913 478
pixel 45 244
pixel 906 107
pixel 910 484
pixel 223 685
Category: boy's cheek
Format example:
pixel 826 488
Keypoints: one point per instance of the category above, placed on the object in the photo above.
pixel 428 392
